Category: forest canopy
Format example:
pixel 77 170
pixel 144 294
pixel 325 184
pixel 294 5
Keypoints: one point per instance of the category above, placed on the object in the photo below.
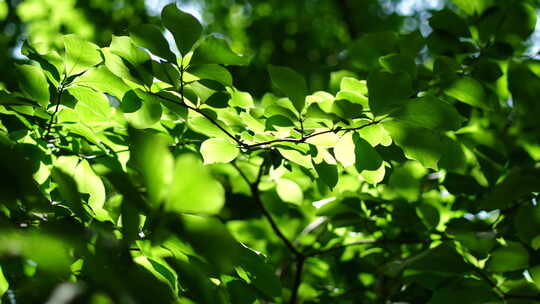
pixel 321 151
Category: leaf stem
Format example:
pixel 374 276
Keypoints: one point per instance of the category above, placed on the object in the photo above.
pixel 297 279
pixel 254 187
pixel 60 90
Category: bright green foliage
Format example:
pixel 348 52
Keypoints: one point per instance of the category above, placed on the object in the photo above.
pixel 34 84
pixel 80 55
pixel 134 174
pixel 218 150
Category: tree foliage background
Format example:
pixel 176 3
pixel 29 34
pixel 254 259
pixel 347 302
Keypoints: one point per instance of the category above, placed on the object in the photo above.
pixel 269 152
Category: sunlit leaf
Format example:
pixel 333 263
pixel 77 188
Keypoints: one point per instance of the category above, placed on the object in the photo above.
pixel 289 191
pixel 193 189
pixel 80 55
pixel 218 150
pixel 33 83
pixel 213 50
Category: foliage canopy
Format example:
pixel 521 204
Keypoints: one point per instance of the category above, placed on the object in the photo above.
pixel 139 172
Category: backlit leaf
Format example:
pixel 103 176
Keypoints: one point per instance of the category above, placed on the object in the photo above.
pixel 218 150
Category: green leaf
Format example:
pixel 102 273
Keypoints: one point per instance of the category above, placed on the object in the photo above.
pixel 366 156
pixel 193 189
pixel 374 176
pixel 33 84
pixel 261 274
pixel 535 274
pixel 213 50
pixel 472 7
pixel 418 143
pixel 218 150
pixel 150 37
pixel 469 91
pixel 396 63
pixel 388 91
pixel 344 150
pixel 219 100
pixel 213 72
pixel 101 79
pixel 92 107
pixel 185 28
pixel 431 113
pixel 291 83
pixel 4 284
pixel 467 290
pixel 353 90
pixel 68 190
pixel 136 60
pixel 150 154
pixel 327 173
pixel 375 135
pixel 289 191
pixel 296 157
pixel 279 121
pixel 149 112
pixel 241 99
pixel 366 50
pixel 80 55
pixel 508 258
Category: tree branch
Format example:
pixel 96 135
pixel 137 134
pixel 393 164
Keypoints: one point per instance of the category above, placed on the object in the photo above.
pixel 367 242
pixel 264 144
pixel 297 279
pixel 60 90
pixel 254 187
pixel 347 17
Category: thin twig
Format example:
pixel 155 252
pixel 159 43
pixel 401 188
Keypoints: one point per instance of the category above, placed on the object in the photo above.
pixel 256 195
pixel 297 279
pixel 263 144
pixel 57 107
pixel 199 111
pixel 366 242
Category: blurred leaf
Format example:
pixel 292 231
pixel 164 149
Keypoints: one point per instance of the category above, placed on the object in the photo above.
pixel 151 155
pixel 382 99
pixel 193 189
pixel 469 91
pixel 431 113
pixel 511 257
pixel 289 191
pixel 260 272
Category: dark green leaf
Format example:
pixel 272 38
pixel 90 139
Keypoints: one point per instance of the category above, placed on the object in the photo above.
pixel 388 91
pixel 213 50
pixel 185 28
pixel 291 84
pixel 150 37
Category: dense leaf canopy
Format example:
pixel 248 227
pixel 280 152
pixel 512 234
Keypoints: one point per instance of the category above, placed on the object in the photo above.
pixel 278 152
